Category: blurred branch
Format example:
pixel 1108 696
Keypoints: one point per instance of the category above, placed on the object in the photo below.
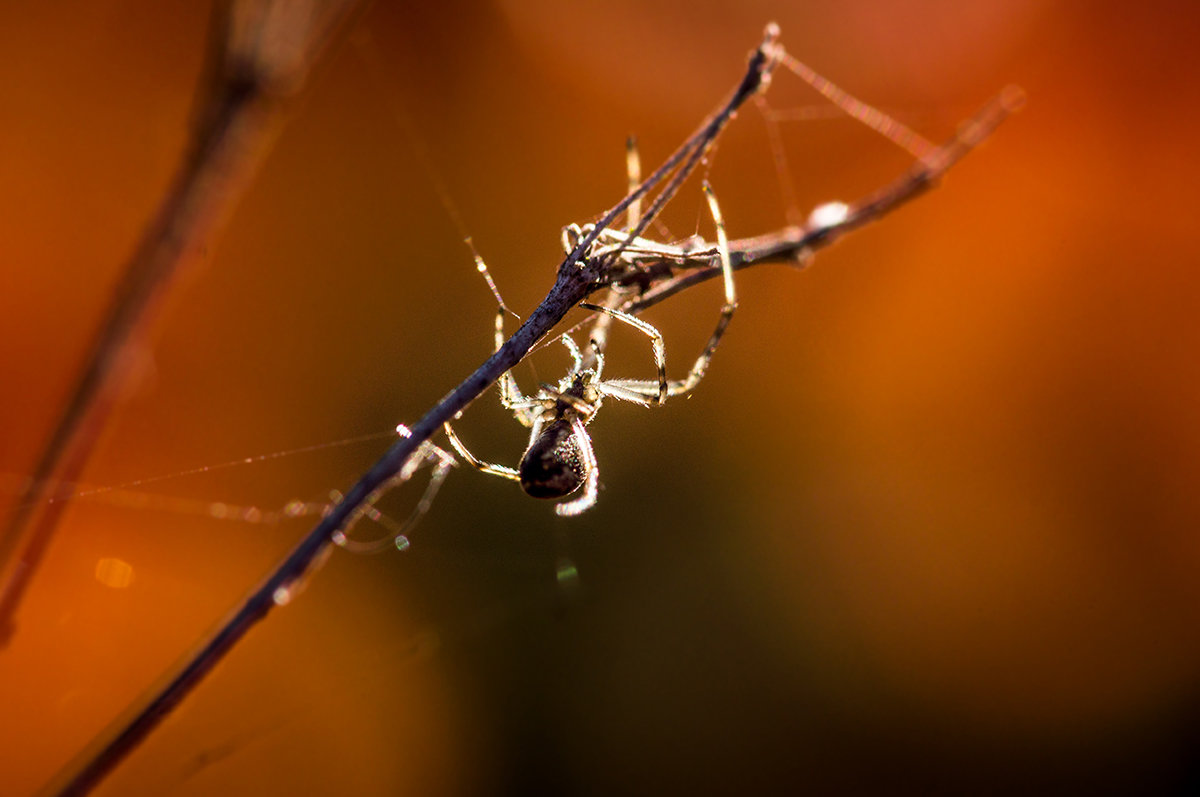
pixel 799 244
pixel 586 270
pixel 261 54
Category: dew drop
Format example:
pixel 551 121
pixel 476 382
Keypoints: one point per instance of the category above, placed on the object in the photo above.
pixel 830 214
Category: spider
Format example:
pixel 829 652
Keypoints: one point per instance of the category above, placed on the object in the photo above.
pixel 559 459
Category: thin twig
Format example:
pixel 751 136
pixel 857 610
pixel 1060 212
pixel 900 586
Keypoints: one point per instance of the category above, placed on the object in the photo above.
pixel 577 278
pixel 798 244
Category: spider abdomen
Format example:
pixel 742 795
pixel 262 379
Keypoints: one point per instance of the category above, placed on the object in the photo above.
pixel 553 466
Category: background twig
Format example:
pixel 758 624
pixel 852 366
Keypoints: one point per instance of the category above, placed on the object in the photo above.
pixel 261 54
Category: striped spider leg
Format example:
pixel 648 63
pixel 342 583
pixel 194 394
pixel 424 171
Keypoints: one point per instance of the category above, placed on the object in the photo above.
pixel 559 458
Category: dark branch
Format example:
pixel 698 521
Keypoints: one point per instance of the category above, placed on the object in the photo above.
pixel 577 278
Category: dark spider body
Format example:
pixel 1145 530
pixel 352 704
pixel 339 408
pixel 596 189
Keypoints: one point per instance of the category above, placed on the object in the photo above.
pixel 553 465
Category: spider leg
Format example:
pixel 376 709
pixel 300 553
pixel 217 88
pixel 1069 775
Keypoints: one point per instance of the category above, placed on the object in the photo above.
pixel 597 351
pixel 576 355
pixel 656 343
pixel 637 391
pixel 633 169
pixel 588 498
pixel 701 365
pixel 486 467
pixel 510 394
pixel 572 234
pixel 633 216
pixel 655 393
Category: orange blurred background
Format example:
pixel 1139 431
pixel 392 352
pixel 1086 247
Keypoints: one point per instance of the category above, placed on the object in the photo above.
pixel 929 525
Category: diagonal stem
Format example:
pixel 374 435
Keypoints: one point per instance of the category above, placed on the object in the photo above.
pixel 577 278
